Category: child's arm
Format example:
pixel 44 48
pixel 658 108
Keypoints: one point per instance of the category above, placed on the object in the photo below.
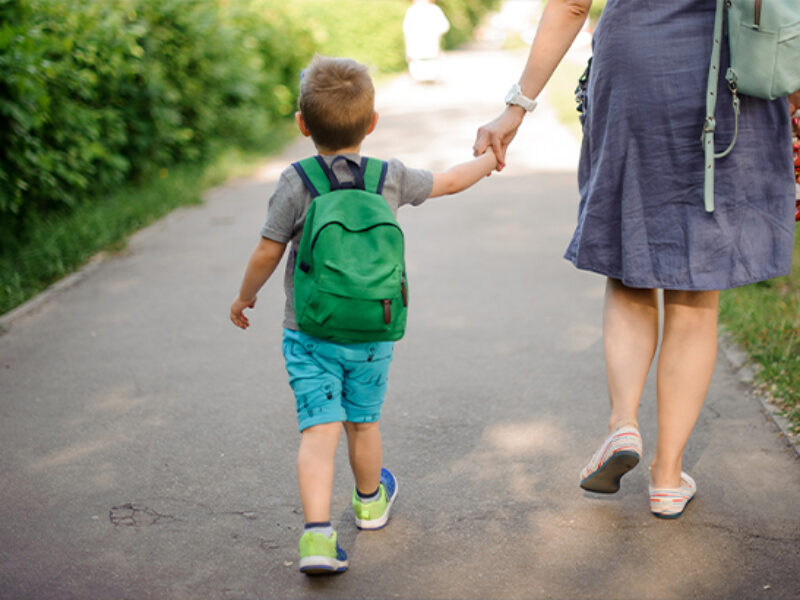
pixel 262 263
pixel 462 176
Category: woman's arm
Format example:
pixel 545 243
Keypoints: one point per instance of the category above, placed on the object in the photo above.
pixel 560 23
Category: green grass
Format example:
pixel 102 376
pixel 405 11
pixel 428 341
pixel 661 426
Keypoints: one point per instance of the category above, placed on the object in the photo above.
pixel 764 318
pixel 57 245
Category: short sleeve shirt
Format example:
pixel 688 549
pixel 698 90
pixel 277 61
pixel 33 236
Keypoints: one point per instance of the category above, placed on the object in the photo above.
pixel 289 204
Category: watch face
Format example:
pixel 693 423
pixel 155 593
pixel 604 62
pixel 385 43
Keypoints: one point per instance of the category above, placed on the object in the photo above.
pixel 512 93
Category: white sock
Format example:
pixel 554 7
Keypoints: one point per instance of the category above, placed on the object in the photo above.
pixel 325 529
pixel 370 498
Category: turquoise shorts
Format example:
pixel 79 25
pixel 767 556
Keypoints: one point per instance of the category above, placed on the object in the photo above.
pixel 336 382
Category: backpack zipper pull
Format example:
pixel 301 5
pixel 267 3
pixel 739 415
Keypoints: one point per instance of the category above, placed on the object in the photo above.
pixel 403 291
pixel 387 311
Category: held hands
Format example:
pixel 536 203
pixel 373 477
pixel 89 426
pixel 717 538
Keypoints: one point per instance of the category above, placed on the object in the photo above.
pixel 237 311
pixel 497 134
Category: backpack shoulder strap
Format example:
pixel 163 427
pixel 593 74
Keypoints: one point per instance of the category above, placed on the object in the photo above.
pixel 319 179
pixel 374 171
pixel 314 175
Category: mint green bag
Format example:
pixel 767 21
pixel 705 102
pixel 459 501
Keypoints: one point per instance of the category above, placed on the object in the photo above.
pixel 764 42
pixel 350 278
pixel 764 39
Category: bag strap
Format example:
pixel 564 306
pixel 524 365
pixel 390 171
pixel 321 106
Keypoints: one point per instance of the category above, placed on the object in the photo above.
pixel 313 176
pixel 374 171
pixel 711 101
pixel 319 178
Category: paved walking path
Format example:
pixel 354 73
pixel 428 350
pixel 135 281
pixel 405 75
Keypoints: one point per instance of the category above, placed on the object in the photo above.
pixel 147 446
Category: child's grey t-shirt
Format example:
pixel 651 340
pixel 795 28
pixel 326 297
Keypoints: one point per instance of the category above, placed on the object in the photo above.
pixel 289 204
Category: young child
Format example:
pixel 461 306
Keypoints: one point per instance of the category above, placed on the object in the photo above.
pixel 337 384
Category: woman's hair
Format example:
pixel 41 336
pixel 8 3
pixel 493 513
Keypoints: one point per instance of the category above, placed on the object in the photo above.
pixel 337 101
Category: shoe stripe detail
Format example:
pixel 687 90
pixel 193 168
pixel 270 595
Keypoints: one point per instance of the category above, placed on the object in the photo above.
pixel 671 502
pixel 624 439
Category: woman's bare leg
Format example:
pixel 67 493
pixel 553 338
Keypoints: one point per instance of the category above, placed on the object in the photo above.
pixel 685 365
pixel 630 337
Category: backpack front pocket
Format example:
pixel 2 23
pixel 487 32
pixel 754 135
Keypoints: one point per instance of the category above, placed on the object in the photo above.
pixel 346 307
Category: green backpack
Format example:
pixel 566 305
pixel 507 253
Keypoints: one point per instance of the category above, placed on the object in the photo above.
pixel 350 279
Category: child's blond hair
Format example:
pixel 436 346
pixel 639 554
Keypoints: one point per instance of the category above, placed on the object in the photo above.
pixel 337 101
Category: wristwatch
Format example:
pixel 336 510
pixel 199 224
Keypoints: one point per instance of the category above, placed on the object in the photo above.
pixel 516 97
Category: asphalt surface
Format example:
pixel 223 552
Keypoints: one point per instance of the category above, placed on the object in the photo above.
pixel 147 447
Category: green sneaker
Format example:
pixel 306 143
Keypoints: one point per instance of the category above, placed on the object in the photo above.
pixel 374 515
pixel 321 554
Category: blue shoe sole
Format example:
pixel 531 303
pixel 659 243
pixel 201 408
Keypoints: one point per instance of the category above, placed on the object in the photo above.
pixel 605 480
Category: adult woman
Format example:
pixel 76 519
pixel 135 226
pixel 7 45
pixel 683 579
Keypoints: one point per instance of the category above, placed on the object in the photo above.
pixel 642 221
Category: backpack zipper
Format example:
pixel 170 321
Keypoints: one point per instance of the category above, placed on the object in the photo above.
pixel 387 304
pixel 757 13
pixel 387 311
pixel 343 226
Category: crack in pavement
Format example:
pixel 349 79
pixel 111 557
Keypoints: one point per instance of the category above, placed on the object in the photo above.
pixel 132 515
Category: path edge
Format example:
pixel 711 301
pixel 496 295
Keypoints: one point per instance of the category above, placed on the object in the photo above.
pixel 746 371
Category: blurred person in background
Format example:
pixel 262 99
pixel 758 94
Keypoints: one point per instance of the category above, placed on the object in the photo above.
pixel 423 27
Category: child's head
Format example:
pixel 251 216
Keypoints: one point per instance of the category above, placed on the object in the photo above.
pixel 337 102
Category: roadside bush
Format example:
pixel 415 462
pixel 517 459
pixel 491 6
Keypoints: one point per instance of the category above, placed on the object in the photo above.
pixel 93 94
pixel 56 137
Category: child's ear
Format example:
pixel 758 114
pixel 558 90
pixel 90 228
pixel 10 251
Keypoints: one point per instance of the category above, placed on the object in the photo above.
pixel 373 123
pixel 301 124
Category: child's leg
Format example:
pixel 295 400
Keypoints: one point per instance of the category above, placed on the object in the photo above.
pixel 315 462
pixel 366 455
pixel 363 392
pixel 320 552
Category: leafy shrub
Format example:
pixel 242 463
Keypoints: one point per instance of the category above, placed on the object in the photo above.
pixel 95 93
pixel 57 137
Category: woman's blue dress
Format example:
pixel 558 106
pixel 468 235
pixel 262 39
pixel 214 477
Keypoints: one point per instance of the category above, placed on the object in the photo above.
pixel 641 217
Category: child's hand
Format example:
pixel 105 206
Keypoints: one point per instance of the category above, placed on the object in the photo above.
pixel 237 311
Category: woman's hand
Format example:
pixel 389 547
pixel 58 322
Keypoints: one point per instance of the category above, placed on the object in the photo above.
pixel 498 134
